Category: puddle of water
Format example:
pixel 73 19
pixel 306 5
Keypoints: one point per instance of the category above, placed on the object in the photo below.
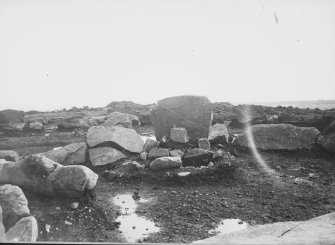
pixel 133 227
pixel 182 174
pixel 228 226
pixel 145 137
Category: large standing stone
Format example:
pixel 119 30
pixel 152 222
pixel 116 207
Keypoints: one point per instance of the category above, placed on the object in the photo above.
pixel 158 152
pixel 104 155
pixel 14 204
pixel 218 133
pixel 73 154
pixel 319 230
pixel 280 137
pixel 11 116
pixel 9 155
pixel 165 163
pixel 197 157
pixel 25 230
pixel 178 135
pixel 194 113
pixel 42 175
pixel 122 119
pixel 126 138
pixel 327 140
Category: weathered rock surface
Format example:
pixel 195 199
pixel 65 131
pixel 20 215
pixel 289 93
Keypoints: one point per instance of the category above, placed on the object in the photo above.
pixel 165 163
pixel 104 155
pixel 280 137
pixel 158 152
pixel 204 144
pixel 197 157
pixel 144 118
pixel 14 204
pixel 176 153
pixel 126 138
pixel 218 133
pixel 178 135
pixel 150 144
pixel 25 230
pixel 42 175
pixel 2 228
pixel 9 155
pixel 319 230
pixel 73 154
pixel 194 113
pixel 122 119
pixel 327 140
pixel 11 116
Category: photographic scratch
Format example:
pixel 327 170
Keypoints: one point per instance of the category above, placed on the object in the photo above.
pixel 276 17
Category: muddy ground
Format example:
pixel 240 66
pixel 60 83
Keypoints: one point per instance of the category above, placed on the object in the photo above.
pixel 301 187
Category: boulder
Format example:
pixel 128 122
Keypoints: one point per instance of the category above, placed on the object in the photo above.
pixel 144 156
pixel 42 175
pixel 197 157
pixel 280 137
pixel 11 116
pixel 73 154
pixel 176 153
pixel 158 152
pixel 194 113
pixel 9 155
pixel 104 155
pixel 38 126
pixel 124 138
pixel 14 205
pixel 96 121
pixel 18 127
pixel 218 133
pixel 43 120
pixel 327 140
pixel 122 119
pixel 2 228
pixel 25 230
pixel 319 230
pixel 70 123
pixel 165 163
pixel 150 144
pixel 204 144
pixel 144 118
pixel 178 135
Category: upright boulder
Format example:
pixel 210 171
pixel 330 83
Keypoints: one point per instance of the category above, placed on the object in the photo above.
pixel 124 138
pixel 11 116
pixel 194 113
pixel 9 155
pixel 280 137
pixel 14 205
pixel 73 154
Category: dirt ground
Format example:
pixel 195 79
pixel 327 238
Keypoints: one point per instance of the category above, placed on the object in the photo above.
pixel 301 187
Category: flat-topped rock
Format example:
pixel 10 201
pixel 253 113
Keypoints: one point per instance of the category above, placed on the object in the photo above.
pixel 125 138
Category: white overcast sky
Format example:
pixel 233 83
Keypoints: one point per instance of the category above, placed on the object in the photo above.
pixel 56 54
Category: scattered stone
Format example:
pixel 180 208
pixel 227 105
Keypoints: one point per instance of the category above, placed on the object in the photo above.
pixel 125 138
pixel 122 119
pixel 25 230
pixel 70 123
pixel 104 155
pixel 218 133
pixel 38 126
pixel 158 152
pixel 197 157
pixel 74 205
pixel 176 153
pixel 204 144
pixel 67 222
pixel 150 144
pixel 47 228
pixel 9 155
pixel 96 121
pixel 280 137
pixel 73 154
pixel 58 208
pixel 14 204
pixel 165 163
pixel 178 135
pixel 144 156
pixel 42 175
pixel 194 113
pixel 210 165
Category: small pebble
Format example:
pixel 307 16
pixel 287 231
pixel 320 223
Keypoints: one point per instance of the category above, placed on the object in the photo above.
pixel 74 205
pixel 67 222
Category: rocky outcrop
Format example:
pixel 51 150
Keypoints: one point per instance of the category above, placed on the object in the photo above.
pixel 70 123
pixel 124 138
pixel 14 205
pixel 280 137
pixel 73 154
pixel 165 163
pixel 122 119
pixel 104 155
pixel 9 155
pixel 42 175
pixel 319 230
pixel 194 113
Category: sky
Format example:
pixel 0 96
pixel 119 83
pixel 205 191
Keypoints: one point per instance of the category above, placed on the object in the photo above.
pixel 57 54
